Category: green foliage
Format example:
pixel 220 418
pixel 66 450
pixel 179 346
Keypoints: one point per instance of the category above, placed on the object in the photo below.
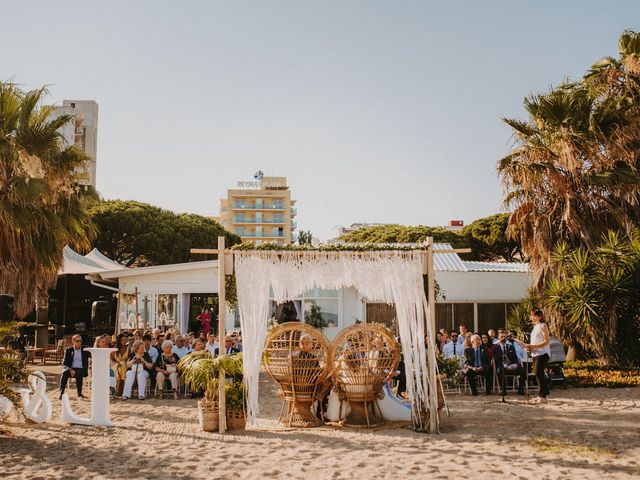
pixel 314 318
pixel 42 206
pixel 488 238
pixel 231 291
pixel 12 369
pixel 404 234
pixel 448 366
pixel 596 292
pixel 573 172
pixel 519 317
pixel 305 238
pixel 235 397
pixel 200 372
pixel 139 234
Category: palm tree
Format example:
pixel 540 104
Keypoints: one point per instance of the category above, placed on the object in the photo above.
pixel 573 173
pixel 42 208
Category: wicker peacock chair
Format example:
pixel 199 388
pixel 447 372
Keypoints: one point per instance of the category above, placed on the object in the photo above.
pixel 296 356
pixel 364 357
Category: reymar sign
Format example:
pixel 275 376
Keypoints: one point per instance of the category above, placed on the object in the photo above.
pixel 256 183
pixel 251 184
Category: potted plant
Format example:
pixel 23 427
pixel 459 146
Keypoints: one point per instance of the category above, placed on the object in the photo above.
pixel 200 372
pixel 235 403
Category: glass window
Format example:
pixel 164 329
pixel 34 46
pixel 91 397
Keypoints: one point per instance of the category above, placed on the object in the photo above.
pixel 128 318
pixel 490 316
pixel 444 316
pixel 328 309
pixel 166 310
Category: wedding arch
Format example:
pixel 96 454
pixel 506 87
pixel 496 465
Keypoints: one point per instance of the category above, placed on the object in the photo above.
pixel 389 274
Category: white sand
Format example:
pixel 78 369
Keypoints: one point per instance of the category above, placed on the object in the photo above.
pixel 589 433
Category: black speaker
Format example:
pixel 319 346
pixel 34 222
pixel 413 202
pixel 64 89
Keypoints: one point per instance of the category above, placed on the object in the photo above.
pixel 100 314
pixel 6 308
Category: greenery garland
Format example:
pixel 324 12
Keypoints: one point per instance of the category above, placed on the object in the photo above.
pixel 333 247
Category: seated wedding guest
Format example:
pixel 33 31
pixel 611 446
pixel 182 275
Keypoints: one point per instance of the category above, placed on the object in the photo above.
pixel 76 365
pixel 167 368
pixel 228 347
pixel 476 362
pixel 487 344
pixel 506 362
pixel 520 351
pixel 153 352
pixel 180 349
pixel 463 333
pixel 138 368
pixel 439 342
pixel 198 345
pixel 137 335
pixel 212 344
pixel 104 341
pixel 453 348
pixel 159 340
pixel 237 343
pixel 120 358
pixel 492 336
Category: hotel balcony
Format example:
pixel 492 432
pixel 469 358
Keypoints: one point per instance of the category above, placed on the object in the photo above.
pixel 242 206
pixel 253 221
pixel 262 235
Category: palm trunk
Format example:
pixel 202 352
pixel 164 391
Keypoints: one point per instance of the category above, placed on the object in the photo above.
pixel 42 318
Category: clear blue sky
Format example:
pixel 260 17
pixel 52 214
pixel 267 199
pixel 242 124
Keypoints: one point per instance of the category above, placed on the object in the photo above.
pixel 375 111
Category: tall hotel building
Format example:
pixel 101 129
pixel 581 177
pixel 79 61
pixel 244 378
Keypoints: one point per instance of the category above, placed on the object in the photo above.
pixel 82 132
pixel 260 211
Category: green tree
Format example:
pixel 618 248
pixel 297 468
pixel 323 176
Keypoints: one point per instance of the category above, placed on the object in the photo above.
pixel 573 172
pixel 314 318
pixel 403 234
pixel 139 234
pixel 42 208
pixel 597 292
pixel 305 237
pixel 489 240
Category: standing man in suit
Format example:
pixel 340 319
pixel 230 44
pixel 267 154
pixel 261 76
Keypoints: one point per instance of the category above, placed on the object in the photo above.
pixel 506 361
pixel 476 362
pixel 76 364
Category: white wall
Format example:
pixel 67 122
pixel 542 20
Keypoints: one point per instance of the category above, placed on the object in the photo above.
pixel 483 286
pixel 203 280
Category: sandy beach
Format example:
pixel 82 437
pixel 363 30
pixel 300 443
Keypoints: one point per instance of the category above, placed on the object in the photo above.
pixel 580 433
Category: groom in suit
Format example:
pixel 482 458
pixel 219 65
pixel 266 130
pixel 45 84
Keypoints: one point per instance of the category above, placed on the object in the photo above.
pixel 76 364
pixel 506 361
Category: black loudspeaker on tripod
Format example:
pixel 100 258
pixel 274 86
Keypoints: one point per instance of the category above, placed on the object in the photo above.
pixel 100 314
pixel 6 308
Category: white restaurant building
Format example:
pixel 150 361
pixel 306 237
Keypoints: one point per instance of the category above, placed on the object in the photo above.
pixel 477 294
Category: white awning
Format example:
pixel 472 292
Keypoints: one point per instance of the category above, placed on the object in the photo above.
pixel 76 264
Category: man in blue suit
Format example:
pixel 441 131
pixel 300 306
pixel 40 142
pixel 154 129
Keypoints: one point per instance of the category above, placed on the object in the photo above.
pixel 76 364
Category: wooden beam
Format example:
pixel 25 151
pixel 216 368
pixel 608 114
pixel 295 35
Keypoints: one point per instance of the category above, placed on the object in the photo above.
pixel 454 250
pixel 207 251
pixel 433 392
pixel 222 304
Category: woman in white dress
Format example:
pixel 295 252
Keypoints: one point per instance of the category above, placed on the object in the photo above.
pixel 540 352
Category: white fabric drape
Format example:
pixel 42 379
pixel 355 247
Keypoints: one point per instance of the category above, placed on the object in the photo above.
pixel 389 276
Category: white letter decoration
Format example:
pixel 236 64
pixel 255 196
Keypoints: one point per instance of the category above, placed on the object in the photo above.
pixel 99 392
pixel 36 403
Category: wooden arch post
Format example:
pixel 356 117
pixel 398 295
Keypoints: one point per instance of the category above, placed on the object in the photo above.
pixel 222 310
pixel 431 300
